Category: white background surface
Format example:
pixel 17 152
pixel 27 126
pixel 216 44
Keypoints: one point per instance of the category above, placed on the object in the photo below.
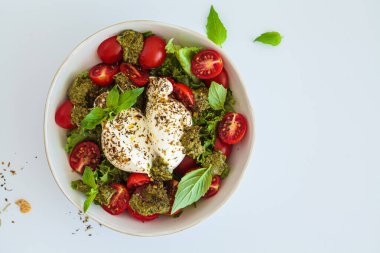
pixel 314 182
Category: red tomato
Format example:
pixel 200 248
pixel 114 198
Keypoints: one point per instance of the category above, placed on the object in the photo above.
pixel 140 217
pixel 214 187
pixel 222 147
pixel 221 79
pixel 138 76
pixel 186 164
pixel 171 188
pixel 86 153
pixel 232 128
pixel 102 74
pixel 183 94
pixel 153 53
pixel 171 80
pixel 137 179
pixel 110 51
pixel 207 64
pixel 119 200
pixel 63 115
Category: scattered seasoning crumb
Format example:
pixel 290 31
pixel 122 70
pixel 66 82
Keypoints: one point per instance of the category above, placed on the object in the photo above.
pixel 89 234
pixel 13 172
pixel 88 227
pixel 24 205
pixel 9 164
pixel 35 157
pixel 13 221
pixel 6 207
pixel 6 200
pixel 2 163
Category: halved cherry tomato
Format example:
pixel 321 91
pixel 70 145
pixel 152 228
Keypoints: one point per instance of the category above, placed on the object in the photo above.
pixel 86 153
pixel 186 164
pixel 138 76
pixel 102 74
pixel 153 53
pixel 140 217
pixel 63 115
pixel 206 64
pixel 221 79
pixel 110 51
pixel 171 188
pixel 137 179
pixel 232 128
pixel 214 187
pixel 183 94
pixel 119 200
pixel 222 147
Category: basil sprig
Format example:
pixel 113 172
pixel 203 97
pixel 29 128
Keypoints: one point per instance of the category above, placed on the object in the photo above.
pixel 271 38
pixel 115 102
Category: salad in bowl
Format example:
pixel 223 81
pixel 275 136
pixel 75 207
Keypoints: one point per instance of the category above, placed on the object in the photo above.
pixel 150 127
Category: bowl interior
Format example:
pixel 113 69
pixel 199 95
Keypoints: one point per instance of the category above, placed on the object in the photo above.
pixel 81 59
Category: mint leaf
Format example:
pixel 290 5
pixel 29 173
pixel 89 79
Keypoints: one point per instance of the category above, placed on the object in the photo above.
pixel 128 99
pixel 113 97
pixel 217 96
pixel 215 29
pixel 271 38
pixel 91 196
pixel 94 118
pixel 89 177
pixel 191 188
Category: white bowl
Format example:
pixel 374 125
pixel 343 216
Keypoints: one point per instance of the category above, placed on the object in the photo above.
pixel 84 57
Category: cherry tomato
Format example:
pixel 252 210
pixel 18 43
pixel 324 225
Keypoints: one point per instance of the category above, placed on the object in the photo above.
pixel 171 80
pixel 102 74
pixel 119 200
pixel 63 115
pixel 137 179
pixel 138 76
pixel 222 147
pixel 110 51
pixel 171 188
pixel 186 164
pixel 153 53
pixel 221 79
pixel 86 153
pixel 183 94
pixel 206 64
pixel 232 128
pixel 214 187
pixel 140 217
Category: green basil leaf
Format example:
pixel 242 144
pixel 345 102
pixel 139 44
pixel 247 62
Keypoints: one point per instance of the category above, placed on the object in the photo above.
pixel 191 188
pixel 74 138
pixel 128 99
pixel 217 96
pixel 94 118
pixel 271 38
pixel 91 196
pixel 89 177
pixel 113 97
pixel 215 29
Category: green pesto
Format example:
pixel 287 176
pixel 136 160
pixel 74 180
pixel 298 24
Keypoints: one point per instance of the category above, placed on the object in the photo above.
pixel 201 99
pixel 78 113
pixel 150 199
pixel 83 91
pixel 217 161
pixel 103 197
pixel 132 43
pixel 192 142
pixel 123 82
pixel 159 170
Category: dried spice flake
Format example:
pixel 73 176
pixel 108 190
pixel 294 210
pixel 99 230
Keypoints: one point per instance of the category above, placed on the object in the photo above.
pixel 24 205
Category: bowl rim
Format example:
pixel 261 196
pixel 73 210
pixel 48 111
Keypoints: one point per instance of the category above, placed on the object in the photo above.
pixel 250 110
